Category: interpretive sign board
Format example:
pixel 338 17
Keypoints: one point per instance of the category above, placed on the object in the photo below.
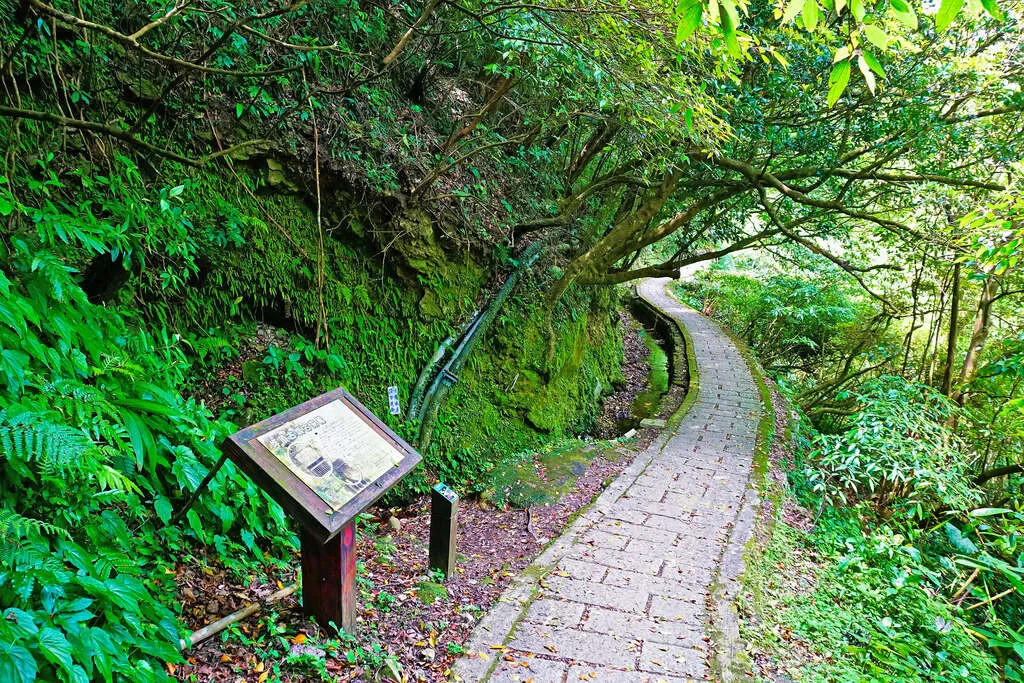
pixel 324 461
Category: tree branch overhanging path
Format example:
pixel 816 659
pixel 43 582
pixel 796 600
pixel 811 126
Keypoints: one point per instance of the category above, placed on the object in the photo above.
pixel 863 173
pixel 640 196
pixel 740 179
pixel 678 203
pixel 867 192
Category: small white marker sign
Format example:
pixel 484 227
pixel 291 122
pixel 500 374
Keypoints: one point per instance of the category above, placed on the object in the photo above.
pixel 393 405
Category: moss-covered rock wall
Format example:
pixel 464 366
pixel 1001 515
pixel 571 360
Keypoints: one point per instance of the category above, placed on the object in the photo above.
pixel 383 303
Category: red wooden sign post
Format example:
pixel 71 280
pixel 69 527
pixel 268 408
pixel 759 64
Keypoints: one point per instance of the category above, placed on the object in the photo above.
pixel 324 461
pixel 329 578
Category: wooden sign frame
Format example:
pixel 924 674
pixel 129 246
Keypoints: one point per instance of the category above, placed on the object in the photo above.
pixel 293 494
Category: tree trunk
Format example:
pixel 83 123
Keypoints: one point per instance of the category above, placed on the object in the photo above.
pixel 931 349
pixel 501 88
pixel 979 334
pixel 599 139
pixel 424 17
pixel 621 241
pixel 1004 471
pixel 914 290
pixel 954 314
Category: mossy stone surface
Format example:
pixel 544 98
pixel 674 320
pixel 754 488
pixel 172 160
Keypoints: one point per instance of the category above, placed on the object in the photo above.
pixel 540 478
pixel 429 592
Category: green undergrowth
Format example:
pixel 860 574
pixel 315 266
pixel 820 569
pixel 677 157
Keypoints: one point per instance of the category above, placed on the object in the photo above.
pixel 886 559
pixel 429 592
pixel 834 605
pixel 381 329
pixel 130 305
pixel 544 476
pixel 509 398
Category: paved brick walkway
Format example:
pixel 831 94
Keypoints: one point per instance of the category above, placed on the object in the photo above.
pixel 623 595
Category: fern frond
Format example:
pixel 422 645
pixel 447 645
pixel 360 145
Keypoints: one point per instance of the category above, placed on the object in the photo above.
pixel 14 526
pixel 28 555
pixel 27 437
pixel 112 481
pixel 108 565
pixel 80 404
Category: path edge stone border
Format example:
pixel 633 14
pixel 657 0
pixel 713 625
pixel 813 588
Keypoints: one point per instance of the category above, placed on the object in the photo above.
pixel 496 627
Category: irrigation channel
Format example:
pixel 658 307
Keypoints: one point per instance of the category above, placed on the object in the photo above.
pixel 528 479
pixel 664 352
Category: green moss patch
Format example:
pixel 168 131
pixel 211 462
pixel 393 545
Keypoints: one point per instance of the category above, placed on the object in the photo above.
pixel 429 592
pixel 540 478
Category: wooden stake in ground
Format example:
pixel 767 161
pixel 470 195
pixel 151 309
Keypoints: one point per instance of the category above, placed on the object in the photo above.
pixel 444 509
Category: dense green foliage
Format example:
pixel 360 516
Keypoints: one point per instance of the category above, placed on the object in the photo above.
pixel 134 338
pixel 861 609
pixel 98 426
pixel 912 569
pixel 790 322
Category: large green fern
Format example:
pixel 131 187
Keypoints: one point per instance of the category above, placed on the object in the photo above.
pixel 21 542
pixel 14 526
pixel 56 449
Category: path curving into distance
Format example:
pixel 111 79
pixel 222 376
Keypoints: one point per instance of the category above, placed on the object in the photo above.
pixel 625 594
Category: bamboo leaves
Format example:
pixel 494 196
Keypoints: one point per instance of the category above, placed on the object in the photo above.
pixel 950 9
pixel 857 23
pixel 867 64
pixel 869 76
pixel 851 21
pixel 728 19
pixel 872 62
pixel 994 10
pixel 723 15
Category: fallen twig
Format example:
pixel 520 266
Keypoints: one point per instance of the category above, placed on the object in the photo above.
pixel 961 594
pixel 989 600
pixel 216 627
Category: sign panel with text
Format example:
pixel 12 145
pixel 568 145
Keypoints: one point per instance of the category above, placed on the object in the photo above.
pixel 324 461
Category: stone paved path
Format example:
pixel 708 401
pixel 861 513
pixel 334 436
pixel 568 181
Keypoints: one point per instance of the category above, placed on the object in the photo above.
pixel 623 595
